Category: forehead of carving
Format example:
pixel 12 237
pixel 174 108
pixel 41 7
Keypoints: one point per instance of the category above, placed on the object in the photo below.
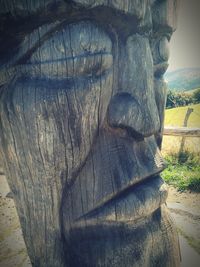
pixel 25 6
pixel 20 17
pixel 165 9
pixel 137 7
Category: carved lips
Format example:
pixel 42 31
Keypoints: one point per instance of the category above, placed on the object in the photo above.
pixel 113 166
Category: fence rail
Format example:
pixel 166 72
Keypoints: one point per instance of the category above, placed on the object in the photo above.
pixel 182 131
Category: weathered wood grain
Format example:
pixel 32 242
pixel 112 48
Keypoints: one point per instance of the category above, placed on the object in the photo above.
pixel 82 99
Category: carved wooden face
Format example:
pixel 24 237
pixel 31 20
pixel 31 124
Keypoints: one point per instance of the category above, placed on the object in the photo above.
pixel 81 118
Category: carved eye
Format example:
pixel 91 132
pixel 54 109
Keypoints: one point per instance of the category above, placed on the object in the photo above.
pixel 78 50
pixel 163 47
pixel 160 50
pixel 80 66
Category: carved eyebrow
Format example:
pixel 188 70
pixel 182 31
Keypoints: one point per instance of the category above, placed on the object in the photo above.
pixel 86 54
pixel 40 41
pixel 26 52
pixel 86 41
pixel 7 71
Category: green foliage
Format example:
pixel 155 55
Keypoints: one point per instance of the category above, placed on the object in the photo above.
pixel 171 102
pixel 183 171
pixel 179 99
pixel 196 95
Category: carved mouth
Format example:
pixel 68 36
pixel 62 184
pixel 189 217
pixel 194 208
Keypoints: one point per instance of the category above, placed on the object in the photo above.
pixel 131 204
pixel 121 224
pixel 118 172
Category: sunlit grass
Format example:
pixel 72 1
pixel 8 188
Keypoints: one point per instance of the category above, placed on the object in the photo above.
pixel 183 171
pixel 175 116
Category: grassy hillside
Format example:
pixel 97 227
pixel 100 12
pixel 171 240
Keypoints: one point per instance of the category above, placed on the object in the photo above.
pixel 175 116
pixel 190 92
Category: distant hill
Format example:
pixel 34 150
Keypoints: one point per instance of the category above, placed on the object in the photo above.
pixel 183 79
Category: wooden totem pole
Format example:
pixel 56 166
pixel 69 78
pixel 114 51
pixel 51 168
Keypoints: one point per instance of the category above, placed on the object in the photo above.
pixel 82 99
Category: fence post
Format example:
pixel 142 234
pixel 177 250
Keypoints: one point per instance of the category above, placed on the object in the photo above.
pixel 187 115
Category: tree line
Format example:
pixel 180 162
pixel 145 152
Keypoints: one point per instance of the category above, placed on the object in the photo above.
pixel 179 99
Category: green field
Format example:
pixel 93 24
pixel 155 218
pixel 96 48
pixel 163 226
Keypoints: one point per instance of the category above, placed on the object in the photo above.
pixel 175 116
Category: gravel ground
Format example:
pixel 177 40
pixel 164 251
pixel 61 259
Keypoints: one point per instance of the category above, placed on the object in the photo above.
pixel 13 251
pixel 185 210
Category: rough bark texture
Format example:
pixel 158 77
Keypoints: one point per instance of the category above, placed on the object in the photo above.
pixel 82 101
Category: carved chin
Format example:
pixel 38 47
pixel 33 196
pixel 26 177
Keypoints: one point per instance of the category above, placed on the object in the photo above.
pixel 120 174
pixel 114 203
pixel 123 243
pixel 113 208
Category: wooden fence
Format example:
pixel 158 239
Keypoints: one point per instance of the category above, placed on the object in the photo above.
pixel 182 131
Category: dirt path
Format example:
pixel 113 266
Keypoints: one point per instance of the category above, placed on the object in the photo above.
pixel 188 199
pixel 184 209
pixel 13 251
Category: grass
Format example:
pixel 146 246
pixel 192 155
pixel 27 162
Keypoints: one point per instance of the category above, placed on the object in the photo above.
pixel 183 171
pixel 175 116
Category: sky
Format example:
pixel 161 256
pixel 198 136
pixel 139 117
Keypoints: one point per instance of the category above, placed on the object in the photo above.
pixel 185 42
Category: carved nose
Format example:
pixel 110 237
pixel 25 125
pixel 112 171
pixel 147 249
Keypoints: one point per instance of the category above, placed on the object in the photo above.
pixel 127 113
pixel 133 106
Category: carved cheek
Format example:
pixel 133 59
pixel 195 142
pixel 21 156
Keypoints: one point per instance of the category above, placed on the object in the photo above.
pixel 87 110
pixel 63 93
